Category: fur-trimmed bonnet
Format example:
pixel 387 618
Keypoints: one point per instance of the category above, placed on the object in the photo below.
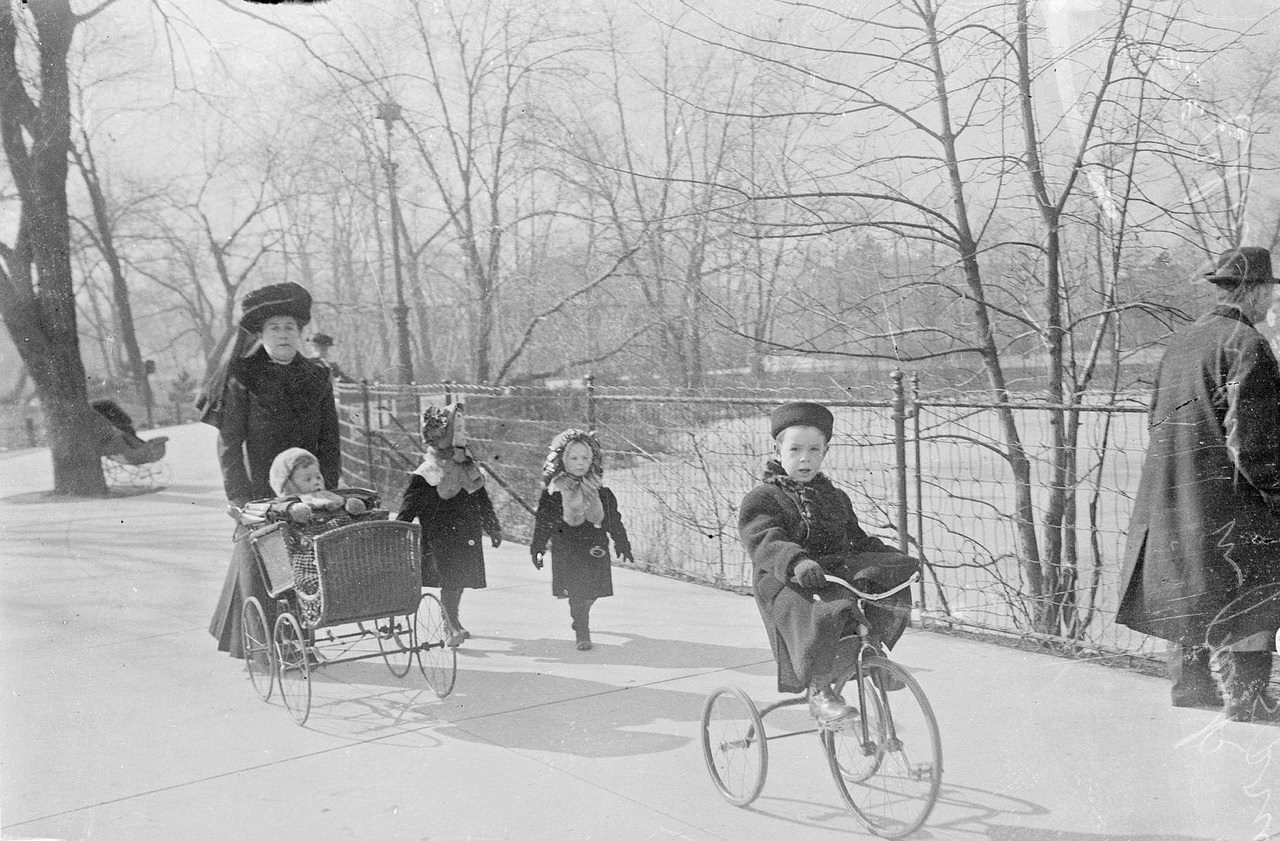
pixel 285 465
pixel 447 464
pixel 554 463
pixel 442 426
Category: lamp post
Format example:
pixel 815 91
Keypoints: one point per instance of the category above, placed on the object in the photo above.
pixel 389 112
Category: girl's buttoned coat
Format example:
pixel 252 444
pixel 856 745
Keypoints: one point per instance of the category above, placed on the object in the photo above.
pixel 580 559
pixel 453 531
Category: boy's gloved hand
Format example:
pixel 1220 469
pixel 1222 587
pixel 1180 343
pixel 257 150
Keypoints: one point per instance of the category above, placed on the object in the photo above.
pixel 627 556
pixel 537 560
pixel 495 537
pixel 809 573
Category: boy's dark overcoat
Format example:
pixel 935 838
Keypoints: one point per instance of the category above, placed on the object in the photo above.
pixel 777 533
pixel 1202 559
pixel 268 408
pixel 453 532
pixel 580 559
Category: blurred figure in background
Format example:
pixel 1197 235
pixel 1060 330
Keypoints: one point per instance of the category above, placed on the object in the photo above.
pixel 320 345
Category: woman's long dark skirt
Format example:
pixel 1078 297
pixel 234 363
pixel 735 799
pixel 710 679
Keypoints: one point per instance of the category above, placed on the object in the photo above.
pixel 244 579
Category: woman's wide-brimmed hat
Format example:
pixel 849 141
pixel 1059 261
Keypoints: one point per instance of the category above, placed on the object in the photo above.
pixel 277 299
pixel 1248 264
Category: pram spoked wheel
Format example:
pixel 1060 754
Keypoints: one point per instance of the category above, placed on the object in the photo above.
pixel 437 660
pixel 395 640
pixel 292 667
pixel 259 653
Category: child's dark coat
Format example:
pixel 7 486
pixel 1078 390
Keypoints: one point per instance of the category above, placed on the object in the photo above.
pixel 452 531
pixel 580 566
pixel 781 522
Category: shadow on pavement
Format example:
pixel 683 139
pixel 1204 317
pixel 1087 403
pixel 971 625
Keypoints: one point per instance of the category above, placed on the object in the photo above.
pixel 636 650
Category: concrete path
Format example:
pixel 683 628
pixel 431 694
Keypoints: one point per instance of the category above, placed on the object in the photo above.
pixel 118 720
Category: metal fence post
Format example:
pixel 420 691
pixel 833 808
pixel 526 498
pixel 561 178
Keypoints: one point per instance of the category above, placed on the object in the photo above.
pixel 915 434
pixel 368 435
pixel 591 402
pixel 900 456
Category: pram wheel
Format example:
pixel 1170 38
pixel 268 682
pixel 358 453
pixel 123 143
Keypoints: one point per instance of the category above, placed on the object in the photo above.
pixel 259 655
pixel 436 659
pixel 293 667
pixel 395 640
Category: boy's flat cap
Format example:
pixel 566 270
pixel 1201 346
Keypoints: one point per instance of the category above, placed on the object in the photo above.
pixel 801 414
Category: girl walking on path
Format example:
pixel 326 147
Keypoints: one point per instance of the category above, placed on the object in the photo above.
pixel 577 515
pixel 446 494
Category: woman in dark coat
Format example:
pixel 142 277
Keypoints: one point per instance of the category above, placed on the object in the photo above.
pixel 446 495
pixel 578 515
pixel 274 399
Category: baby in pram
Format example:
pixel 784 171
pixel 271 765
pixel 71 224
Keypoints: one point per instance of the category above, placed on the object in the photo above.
pixel 305 509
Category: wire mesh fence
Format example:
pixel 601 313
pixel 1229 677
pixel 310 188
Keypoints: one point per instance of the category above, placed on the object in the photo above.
pixel 936 477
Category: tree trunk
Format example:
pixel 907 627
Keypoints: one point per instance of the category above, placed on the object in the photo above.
pixel 42 320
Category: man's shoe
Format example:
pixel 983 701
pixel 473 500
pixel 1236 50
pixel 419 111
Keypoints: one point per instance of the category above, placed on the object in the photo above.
pixel 454 638
pixel 827 707
pixel 584 645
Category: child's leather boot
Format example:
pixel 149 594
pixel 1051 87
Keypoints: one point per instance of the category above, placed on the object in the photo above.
pixel 825 705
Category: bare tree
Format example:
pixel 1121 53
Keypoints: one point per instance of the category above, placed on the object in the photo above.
pixel 941 140
pixel 37 295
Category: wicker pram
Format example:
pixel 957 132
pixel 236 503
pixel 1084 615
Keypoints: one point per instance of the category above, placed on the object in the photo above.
pixel 335 568
pixel 361 571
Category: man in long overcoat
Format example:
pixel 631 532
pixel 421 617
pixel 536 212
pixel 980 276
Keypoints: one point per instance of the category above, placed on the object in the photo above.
pixel 1202 564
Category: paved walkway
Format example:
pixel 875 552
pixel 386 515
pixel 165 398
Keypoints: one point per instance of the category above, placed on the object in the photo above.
pixel 119 721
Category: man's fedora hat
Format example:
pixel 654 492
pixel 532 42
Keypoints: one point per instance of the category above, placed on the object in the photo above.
pixel 1247 264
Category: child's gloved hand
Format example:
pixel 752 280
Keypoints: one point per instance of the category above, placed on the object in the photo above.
pixel 627 556
pixel 300 512
pixel 537 560
pixel 809 573
pixel 495 537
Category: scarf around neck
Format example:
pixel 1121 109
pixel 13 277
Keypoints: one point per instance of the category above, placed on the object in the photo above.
pixel 580 499
pixel 447 476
